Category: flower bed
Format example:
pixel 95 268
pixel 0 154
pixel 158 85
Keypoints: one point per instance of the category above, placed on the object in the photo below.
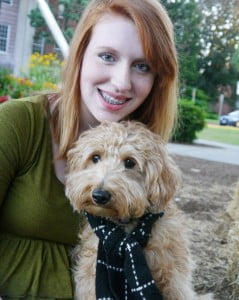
pixel 43 73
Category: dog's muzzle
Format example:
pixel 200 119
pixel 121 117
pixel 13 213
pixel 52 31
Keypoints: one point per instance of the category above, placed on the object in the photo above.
pixel 101 196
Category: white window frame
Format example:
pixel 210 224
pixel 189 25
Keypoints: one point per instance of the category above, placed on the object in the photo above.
pixel 7 38
pixel 39 44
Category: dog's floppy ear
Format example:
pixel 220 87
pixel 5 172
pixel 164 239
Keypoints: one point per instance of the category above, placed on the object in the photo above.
pixel 75 156
pixel 162 176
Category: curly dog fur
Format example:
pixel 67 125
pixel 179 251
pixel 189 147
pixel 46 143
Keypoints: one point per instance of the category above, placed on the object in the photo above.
pixel 131 163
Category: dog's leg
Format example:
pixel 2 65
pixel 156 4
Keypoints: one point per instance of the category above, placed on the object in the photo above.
pixel 168 257
pixel 85 269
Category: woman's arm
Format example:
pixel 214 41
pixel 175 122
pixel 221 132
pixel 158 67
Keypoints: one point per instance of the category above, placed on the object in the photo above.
pixel 13 142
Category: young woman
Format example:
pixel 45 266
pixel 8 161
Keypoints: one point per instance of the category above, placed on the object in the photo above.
pixel 122 65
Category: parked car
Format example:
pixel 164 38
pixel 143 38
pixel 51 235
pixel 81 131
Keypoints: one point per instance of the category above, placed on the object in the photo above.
pixel 231 118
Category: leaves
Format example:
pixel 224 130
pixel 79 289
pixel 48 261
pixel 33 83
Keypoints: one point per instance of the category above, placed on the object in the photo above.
pixel 67 14
pixel 207 38
pixel 220 36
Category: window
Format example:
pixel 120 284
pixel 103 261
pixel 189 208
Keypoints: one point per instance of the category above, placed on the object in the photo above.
pixel 4 34
pixel 38 46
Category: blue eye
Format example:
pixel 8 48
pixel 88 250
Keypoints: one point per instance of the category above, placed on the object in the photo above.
pixel 107 57
pixel 142 67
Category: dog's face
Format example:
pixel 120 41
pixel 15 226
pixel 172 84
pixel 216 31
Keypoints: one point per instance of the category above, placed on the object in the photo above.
pixel 120 171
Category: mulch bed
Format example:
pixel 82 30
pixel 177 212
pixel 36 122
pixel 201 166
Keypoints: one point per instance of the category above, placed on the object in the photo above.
pixel 206 190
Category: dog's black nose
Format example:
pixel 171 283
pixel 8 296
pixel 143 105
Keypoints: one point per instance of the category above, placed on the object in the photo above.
pixel 101 196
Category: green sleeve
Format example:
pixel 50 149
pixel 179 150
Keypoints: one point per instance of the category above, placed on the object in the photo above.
pixel 14 136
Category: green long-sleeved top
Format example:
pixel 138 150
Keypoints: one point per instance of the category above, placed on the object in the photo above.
pixel 37 223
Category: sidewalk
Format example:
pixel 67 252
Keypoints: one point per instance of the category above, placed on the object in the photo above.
pixel 207 150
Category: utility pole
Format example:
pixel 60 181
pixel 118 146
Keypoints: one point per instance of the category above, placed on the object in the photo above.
pixel 194 94
pixel 221 101
pixel 237 93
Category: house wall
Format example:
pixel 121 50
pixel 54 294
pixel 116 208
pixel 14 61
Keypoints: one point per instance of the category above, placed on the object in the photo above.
pixel 24 36
pixel 9 16
pixel 21 34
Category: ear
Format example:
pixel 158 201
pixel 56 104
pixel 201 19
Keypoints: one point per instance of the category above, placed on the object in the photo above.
pixel 78 154
pixel 162 177
pixel 74 156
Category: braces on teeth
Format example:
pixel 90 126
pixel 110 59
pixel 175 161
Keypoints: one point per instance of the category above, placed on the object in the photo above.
pixel 112 100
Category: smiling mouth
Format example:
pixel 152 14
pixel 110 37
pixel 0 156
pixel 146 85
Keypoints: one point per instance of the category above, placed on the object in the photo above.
pixel 111 100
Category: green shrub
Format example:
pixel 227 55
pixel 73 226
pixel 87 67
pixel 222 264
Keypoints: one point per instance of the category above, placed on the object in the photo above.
pixel 43 74
pixel 201 98
pixel 191 120
pixel 14 87
pixel 211 116
pixel 44 71
pixel 5 82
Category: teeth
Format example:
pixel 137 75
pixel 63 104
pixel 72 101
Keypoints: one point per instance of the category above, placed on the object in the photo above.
pixel 112 100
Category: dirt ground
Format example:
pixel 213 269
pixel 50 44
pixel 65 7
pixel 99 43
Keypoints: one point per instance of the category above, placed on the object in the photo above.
pixel 206 190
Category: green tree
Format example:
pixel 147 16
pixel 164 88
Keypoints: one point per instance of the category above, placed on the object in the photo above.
pixel 186 17
pixel 235 60
pixel 207 34
pixel 219 38
pixel 67 14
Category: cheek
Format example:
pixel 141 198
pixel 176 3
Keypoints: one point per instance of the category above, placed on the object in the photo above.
pixel 92 72
pixel 87 75
pixel 143 87
pixel 90 78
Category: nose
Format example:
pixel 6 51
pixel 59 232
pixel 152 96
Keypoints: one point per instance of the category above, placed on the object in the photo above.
pixel 101 196
pixel 121 78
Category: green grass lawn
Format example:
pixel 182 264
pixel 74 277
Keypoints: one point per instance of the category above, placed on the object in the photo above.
pixel 222 134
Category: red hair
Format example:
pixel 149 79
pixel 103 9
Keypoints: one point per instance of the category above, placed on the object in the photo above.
pixel 156 33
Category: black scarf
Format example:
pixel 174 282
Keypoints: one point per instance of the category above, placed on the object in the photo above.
pixel 122 271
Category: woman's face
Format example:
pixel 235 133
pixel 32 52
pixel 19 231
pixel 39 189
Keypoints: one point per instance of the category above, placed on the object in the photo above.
pixel 115 76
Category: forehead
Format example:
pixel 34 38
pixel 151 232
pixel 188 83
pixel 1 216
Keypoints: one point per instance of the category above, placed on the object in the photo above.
pixel 116 31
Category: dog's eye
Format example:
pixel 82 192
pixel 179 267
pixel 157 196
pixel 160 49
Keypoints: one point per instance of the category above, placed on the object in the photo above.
pixel 95 158
pixel 129 163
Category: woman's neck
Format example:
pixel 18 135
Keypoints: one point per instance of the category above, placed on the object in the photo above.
pixel 87 120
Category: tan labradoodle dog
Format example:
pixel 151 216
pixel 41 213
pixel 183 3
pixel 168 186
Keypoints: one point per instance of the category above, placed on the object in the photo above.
pixel 123 173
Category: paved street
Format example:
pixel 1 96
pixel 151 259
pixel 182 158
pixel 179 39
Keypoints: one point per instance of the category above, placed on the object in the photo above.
pixel 208 150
